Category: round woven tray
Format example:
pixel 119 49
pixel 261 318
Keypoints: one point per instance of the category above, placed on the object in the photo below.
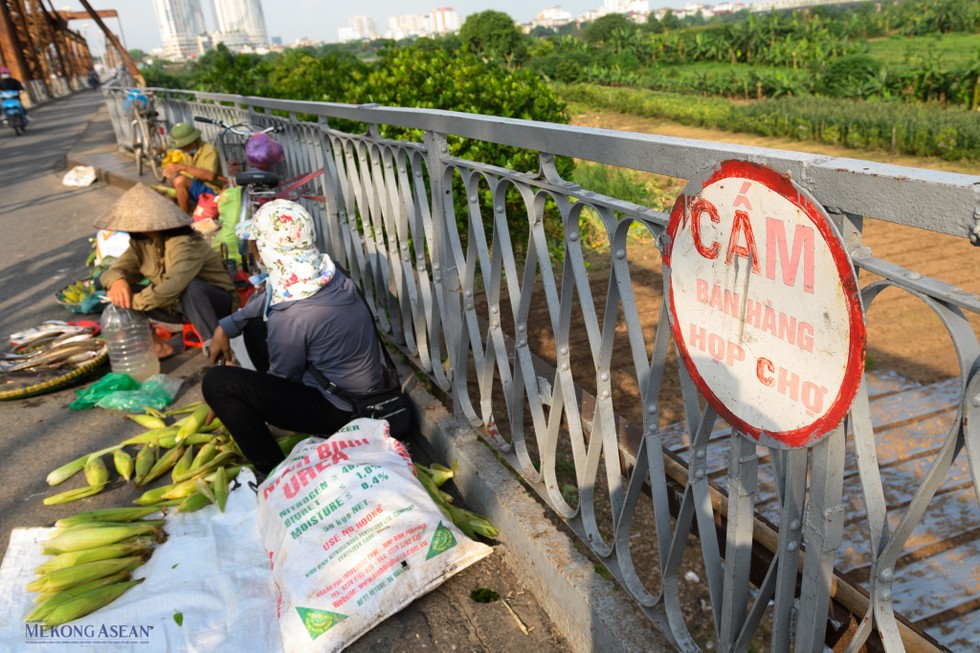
pixel 20 385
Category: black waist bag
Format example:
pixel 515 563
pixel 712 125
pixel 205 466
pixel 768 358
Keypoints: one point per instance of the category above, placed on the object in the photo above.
pixel 392 405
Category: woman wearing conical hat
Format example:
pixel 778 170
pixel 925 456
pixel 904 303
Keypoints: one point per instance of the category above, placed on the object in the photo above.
pixel 186 279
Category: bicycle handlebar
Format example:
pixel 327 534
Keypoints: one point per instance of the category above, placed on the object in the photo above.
pixel 241 129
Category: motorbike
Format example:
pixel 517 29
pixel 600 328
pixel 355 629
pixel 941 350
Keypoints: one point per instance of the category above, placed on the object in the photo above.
pixel 13 111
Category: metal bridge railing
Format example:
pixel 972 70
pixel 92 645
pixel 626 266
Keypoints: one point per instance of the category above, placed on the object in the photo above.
pixel 432 240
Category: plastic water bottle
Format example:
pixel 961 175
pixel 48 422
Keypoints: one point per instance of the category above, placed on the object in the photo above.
pixel 130 342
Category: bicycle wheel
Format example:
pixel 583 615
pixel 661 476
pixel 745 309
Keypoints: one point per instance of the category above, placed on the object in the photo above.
pixel 156 150
pixel 138 147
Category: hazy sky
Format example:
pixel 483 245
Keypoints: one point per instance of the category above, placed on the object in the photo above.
pixel 315 19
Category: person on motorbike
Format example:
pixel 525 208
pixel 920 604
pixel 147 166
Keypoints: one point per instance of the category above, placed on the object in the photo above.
pixel 8 83
pixel 93 79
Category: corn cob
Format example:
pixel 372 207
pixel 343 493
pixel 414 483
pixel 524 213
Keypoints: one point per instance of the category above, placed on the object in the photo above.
pixel 144 463
pixel 68 470
pixel 205 455
pixel 123 462
pixel 151 437
pixel 134 546
pixel 73 495
pixel 184 410
pixel 193 422
pixel 163 465
pixel 184 463
pixel 62 579
pixel 287 443
pixel 193 502
pixel 96 472
pixel 148 421
pixel 153 412
pixel 180 490
pixel 75 539
pixel 220 488
pixel 45 602
pixel 105 515
pixel 204 488
pixel 87 603
pixel 153 496
pixel 218 461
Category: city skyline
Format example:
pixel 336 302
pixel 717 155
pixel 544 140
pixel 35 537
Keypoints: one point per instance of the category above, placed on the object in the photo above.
pixel 292 20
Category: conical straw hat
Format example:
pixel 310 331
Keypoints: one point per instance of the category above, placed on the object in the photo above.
pixel 142 209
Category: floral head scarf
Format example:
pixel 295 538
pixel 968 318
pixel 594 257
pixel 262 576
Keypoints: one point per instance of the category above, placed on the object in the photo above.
pixel 285 236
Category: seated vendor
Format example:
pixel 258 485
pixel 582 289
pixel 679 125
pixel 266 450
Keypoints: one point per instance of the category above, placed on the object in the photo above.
pixel 169 271
pixel 200 170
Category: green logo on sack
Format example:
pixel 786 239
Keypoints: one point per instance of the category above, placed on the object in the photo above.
pixel 442 540
pixel 318 622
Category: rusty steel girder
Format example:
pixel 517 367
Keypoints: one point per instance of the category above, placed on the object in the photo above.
pixel 37 46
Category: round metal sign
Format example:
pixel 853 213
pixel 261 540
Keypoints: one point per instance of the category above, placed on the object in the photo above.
pixel 764 304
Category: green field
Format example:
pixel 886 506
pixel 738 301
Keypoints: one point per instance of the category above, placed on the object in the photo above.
pixel 950 49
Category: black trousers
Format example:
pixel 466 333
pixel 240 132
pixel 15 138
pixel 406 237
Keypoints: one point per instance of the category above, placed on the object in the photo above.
pixel 201 304
pixel 247 400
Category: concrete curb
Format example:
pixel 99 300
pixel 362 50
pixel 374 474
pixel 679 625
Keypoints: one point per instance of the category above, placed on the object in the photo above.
pixel 590 612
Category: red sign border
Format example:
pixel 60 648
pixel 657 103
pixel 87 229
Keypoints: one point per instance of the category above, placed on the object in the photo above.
pixel 782 184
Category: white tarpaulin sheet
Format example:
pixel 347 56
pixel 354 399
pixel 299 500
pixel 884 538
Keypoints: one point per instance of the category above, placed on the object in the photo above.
pixel 212 570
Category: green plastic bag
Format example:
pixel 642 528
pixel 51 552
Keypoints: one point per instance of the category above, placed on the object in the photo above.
pixel 111 382
pixel 122 392
pixel 229 208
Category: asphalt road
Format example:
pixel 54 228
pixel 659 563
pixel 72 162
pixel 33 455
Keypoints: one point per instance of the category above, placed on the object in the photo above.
pixel 45 230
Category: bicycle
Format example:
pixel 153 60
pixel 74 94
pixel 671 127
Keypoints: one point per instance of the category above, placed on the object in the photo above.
pixel 258 186
pixel 148 135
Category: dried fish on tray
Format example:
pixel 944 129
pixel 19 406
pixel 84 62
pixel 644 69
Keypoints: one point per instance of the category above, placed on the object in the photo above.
pixel 48 357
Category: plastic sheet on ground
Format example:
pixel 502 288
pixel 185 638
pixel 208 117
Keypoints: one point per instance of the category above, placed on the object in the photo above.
pixel 212 570
pixel 79 176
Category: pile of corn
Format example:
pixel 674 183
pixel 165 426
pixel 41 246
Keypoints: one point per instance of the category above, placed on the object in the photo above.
pixel 201 459
pixel 432 478
pixel 94 555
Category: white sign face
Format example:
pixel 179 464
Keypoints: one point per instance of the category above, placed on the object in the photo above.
pixel 764 305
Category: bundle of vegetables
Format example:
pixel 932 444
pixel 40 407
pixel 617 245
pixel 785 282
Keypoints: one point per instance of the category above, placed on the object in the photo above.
pixel 432 478
pixel 81 296
pixel 93 558
pixel 201 459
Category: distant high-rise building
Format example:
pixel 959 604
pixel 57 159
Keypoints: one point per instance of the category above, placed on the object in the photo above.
pixel 242 16
pixel 181 22
pixel 444 19
pixel 363 26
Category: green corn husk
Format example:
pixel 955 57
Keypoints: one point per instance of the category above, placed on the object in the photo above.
pixel 76 538
pixel 180 490
pixel 45 602
pixel 163 465
pixel 62 579
pixel 184 463
pixel 96 473
pixel 193 422
pixel 205 488
pixel 87 603
pixel 105 515
pixel 153 496
pixel 123 463
pixel 193 502
pixel 135 546
pixel 220 488
pixel 287 443
pixel 68 470
pixel 148 421
pixel 152 437
pixel 184 410
pixel 145 459
pixel 220 460
pixel 73 495
pixel 204 456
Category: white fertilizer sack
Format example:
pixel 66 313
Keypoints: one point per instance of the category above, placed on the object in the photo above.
pixel 353 537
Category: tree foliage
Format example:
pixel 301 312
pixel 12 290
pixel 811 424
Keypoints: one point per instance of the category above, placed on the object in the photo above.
pixel 495 35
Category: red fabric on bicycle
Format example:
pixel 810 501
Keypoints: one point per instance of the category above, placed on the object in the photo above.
pixel 296 182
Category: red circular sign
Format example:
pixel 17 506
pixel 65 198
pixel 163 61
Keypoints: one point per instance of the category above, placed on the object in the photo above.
pixel 764 304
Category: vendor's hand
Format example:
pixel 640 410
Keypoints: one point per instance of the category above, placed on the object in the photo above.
pixel 120 294
pixel 221 348
pixel 172 170
pixel 209 418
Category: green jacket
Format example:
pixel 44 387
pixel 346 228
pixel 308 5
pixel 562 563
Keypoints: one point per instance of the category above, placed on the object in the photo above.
pixel 169 264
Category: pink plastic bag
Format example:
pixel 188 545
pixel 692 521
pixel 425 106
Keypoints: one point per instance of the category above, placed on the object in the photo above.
pixel 262 152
